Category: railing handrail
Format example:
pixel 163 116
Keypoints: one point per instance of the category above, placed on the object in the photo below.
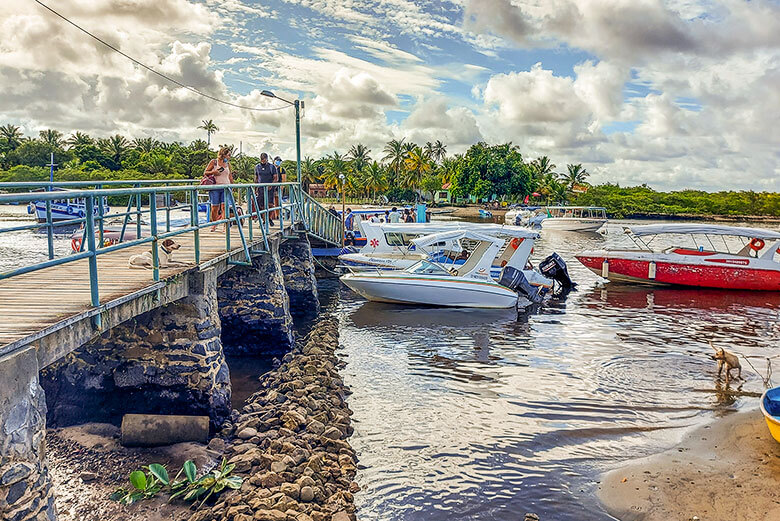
pixel 72 194
pixel 46 184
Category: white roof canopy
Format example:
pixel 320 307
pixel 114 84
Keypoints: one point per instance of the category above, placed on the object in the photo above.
pixel 427 240
pixel 703 229
pixel 437 227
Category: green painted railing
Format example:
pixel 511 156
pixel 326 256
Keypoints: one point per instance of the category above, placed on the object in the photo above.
pixel 295 207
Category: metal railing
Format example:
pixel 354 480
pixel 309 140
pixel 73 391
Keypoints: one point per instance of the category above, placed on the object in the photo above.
pixel 294 207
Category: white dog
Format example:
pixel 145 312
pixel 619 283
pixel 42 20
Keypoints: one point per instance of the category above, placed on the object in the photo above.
pixel 165 256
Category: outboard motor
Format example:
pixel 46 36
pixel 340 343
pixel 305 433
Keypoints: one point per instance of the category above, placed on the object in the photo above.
pixel 515 280
pixel 553 267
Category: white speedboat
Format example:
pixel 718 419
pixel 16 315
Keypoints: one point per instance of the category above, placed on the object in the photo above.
pixel 431 283
pixel 561 218
pixel 390 246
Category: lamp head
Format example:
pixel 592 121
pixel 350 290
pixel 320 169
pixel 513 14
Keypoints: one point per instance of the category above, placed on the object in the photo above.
pixel 268 93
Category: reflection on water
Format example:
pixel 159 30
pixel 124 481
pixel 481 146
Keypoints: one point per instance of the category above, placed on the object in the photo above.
pixel 466 414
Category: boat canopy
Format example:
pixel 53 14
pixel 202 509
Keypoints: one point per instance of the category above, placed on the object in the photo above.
pixel 427 240
pixel 441 227
pixel 703 229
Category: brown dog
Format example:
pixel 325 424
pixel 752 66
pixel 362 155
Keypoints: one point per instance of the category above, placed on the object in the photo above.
pixel 165 256
pixel 730 360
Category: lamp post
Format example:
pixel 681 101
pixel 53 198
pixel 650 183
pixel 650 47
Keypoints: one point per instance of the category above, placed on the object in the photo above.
pixel 342 178
pixel 298 104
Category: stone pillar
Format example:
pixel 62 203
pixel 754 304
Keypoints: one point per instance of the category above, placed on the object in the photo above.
pixel 254 307
pixel 25 487
pixel 166 361
pixel 298 268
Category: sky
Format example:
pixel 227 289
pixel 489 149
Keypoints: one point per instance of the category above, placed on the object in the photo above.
pixel 673 94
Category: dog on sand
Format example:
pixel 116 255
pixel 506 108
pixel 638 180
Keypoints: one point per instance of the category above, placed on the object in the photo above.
pixel 729 360
pixel 165 257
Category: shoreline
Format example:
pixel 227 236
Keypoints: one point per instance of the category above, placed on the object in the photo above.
pixel 726 470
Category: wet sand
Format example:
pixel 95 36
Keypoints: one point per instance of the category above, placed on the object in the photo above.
pixel 726 471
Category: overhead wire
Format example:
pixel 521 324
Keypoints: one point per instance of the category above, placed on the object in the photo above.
pixel 153 71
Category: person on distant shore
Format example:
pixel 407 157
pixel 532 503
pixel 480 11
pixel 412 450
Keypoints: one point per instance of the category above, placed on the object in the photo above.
pixel 265 172
pixel 349 220
pixel 394 216
pixel 374 218
pixel 408 216
pixel 220 169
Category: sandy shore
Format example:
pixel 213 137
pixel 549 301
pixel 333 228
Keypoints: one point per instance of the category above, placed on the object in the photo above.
pixel 726 471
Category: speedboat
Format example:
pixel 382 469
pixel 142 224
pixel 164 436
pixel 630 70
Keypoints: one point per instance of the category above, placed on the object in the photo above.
pixel 430 283
pixel 468 285
pixel 485 214
pixel 561 218
pixel 770 408
pixel 390 246
pixel 63 209
pixel 743 258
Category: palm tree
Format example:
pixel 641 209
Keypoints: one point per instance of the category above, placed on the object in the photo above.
pixel 542 166
pixel 418 164
pixel 12 135
pixel 79 139
pixel 145 144
pixel 308 172
pixel 335 166
pixel 210 128
pixel 438 151
pixel 428 148
pixel 51 137
pixel 374 178
pixel 360 156
pixel 576 176
pixel 448 169
pixel 115 147
pixel 394 156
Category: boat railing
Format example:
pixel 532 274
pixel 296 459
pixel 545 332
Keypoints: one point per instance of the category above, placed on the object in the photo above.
pixel 294 207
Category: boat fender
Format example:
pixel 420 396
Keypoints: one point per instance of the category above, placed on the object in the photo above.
pixel 515 243
pixel 82 214
pixel 757 244
pixel 651 271
pixel 605 269
pixel 71 211
pixel 31 208
pixel 75 245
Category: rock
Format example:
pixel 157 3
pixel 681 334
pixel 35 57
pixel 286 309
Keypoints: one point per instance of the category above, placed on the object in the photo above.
pixel 88 477
pixel 332 433
pixel 340 516
pixel 217 444
pixel 292 490
pixel 270 515
pixel 531 517
pixel 278 467
pixel 316 427
pixel 247 432
pixel 307 494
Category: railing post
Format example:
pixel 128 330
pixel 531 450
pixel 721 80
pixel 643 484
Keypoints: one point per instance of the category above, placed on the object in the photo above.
pixel 225 214
pixel 249 212
pixel 138 214
pixel 49 227
pixel 153 226
pixel 280 191
pixel 195 221
pixel 167 211
pixel 265 209
pixel 100 213
pixel 93 272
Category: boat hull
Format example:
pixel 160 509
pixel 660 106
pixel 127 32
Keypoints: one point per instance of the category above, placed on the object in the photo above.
pixel 565 224
pixel 430 291
pixel 772 421
pixel 718 271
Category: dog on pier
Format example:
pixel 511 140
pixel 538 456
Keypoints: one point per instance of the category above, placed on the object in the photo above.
pixel 165 257
pixel 729 360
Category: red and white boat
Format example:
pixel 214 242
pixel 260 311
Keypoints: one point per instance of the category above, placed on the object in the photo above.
pixel 722 257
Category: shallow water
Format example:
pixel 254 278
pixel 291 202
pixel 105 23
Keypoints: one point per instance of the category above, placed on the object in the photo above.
pixel 486 415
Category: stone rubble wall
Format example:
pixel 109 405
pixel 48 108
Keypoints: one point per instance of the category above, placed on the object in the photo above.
pixel 25 486
pixel 298 268
pixel 290 443
pixel 254 307
pixel 166 361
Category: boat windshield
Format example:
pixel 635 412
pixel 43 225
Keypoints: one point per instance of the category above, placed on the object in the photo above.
pixel 428 268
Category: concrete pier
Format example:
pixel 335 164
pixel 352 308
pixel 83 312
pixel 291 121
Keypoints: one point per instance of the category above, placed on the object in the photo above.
pixel 299 280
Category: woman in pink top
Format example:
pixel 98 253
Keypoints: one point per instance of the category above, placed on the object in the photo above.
pixel 220 169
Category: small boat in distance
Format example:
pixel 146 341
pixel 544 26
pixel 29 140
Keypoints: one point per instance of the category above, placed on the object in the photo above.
pixel 63 209
pixel 752 266
pixel 561 218
pixel 485 214
pixel 770 408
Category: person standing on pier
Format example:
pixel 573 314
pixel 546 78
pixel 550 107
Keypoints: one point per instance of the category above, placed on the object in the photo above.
pixel 282 178
pixel 219 169
pixel 265 172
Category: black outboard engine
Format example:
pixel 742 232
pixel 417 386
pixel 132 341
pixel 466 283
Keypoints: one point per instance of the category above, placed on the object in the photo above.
pixel 553 267
pixel 515 280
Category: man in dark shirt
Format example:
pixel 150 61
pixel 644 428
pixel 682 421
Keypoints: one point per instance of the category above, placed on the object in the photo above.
pixel 265 172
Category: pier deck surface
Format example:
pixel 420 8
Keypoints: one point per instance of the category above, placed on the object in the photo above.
pixel 34 301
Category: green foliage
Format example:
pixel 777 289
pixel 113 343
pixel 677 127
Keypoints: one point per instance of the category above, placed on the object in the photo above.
pixel 498 169
pixel 147 483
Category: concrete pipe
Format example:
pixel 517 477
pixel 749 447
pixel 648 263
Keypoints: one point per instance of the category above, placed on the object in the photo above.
pixel 149 430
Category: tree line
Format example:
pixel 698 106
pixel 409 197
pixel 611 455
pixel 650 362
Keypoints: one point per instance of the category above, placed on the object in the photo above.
pixel 402 171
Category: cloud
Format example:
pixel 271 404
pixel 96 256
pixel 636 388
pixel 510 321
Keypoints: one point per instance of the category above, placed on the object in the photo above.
pixel 433 120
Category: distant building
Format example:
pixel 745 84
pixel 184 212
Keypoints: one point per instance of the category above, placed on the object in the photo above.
pixel 443 196
pixel 318 190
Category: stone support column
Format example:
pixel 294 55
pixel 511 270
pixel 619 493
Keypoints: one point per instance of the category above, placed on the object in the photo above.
pixel 254 307
pixel 299 280
pixel 25 487
pixel 166 361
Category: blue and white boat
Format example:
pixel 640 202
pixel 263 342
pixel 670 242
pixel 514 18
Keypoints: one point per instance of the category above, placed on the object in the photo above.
pixel 63 209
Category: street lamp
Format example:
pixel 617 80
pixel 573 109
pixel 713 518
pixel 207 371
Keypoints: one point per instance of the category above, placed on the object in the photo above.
pixel 342 178
pixel 298 104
